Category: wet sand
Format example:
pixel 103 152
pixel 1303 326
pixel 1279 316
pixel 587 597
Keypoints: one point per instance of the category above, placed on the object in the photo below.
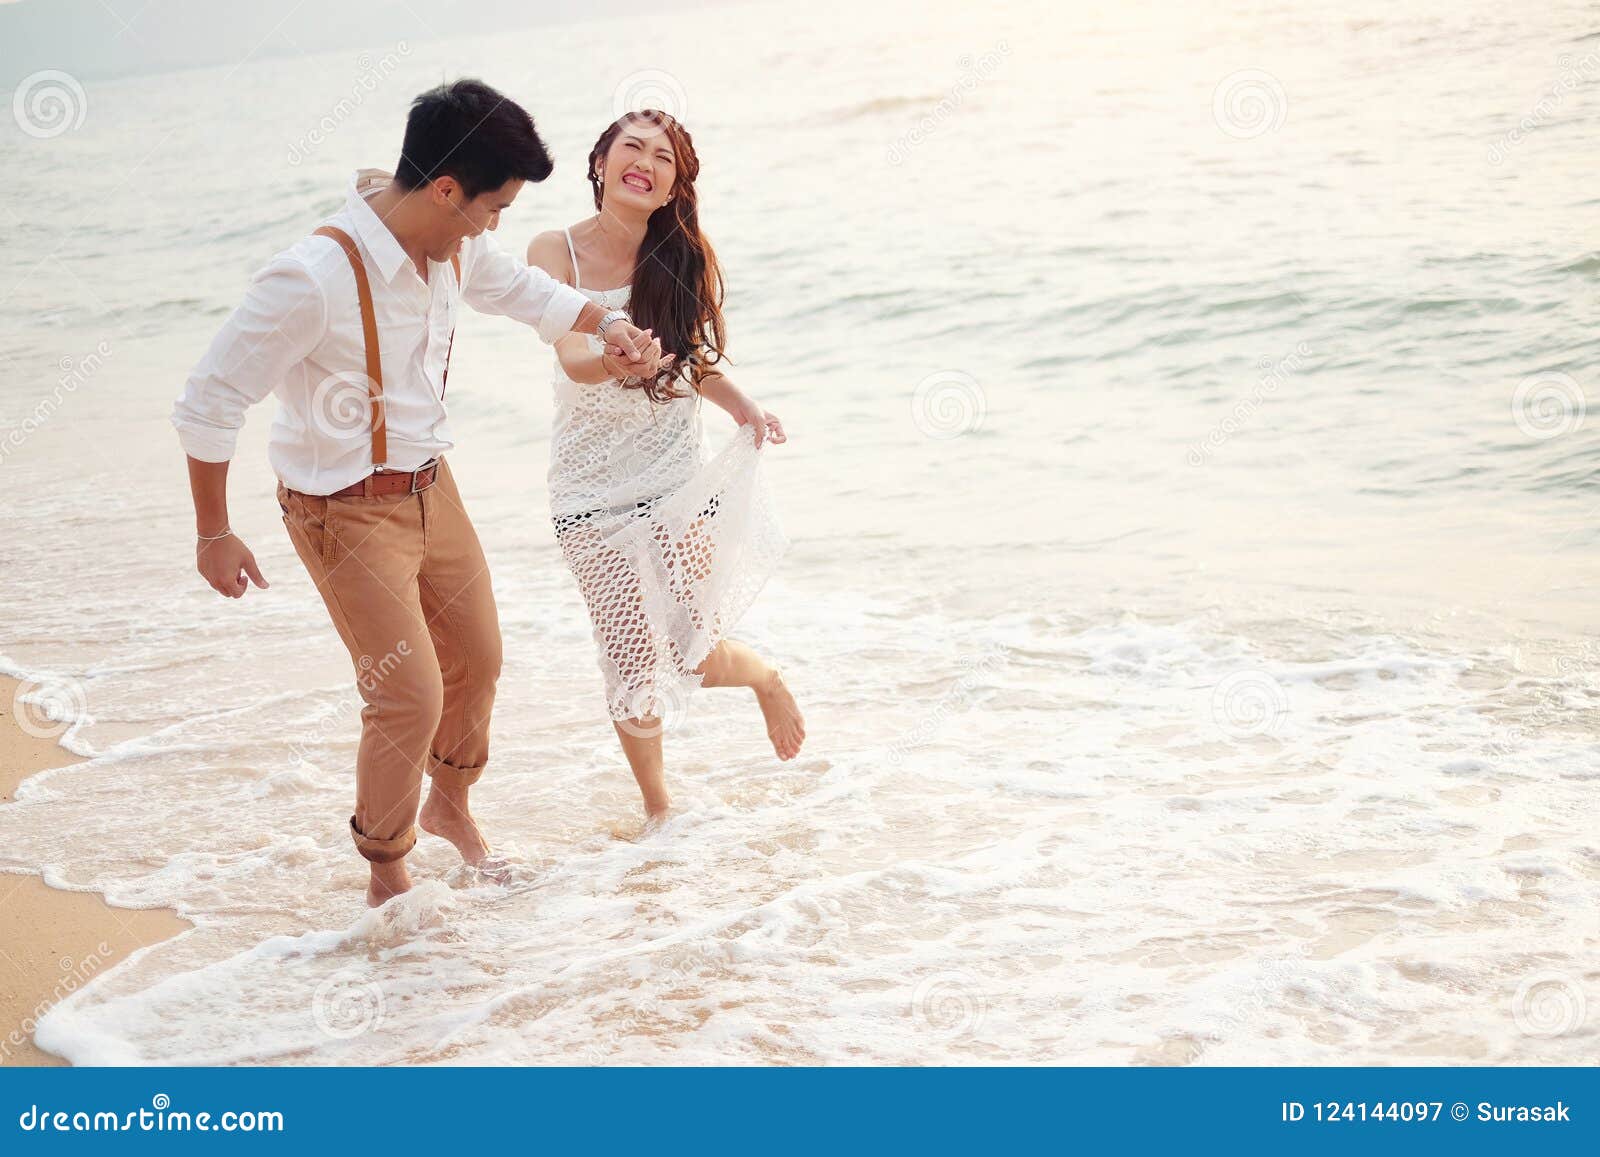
pixel 52 942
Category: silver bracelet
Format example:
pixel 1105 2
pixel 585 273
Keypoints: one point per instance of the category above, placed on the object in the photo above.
pixel 611 318
pixel 216 537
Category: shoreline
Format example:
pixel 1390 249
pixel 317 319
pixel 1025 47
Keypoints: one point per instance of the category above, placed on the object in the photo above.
pixel 53 942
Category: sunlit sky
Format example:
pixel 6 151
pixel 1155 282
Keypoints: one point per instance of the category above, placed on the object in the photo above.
pixel 104 38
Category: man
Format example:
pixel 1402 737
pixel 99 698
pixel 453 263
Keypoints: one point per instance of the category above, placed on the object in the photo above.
pixel 351 327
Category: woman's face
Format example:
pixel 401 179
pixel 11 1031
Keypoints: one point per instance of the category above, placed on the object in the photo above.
pixel 640 168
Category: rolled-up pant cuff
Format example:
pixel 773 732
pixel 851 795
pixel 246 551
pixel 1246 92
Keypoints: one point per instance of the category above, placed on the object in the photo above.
pixel 383 851
pixel 448 774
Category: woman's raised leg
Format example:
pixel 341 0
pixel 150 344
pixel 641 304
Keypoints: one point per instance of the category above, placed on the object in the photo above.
pixel 732 664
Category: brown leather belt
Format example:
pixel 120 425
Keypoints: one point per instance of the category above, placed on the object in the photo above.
pixel 382 482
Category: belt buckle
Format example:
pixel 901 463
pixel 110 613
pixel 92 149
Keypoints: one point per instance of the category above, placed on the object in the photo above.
pixel 432 478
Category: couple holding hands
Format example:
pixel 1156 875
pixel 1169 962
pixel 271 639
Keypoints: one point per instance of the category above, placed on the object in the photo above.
pixel 352 328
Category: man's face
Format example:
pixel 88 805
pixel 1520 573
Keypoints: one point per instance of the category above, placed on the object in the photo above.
pixel 462 217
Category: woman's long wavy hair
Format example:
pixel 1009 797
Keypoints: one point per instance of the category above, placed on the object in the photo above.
pixel 677 282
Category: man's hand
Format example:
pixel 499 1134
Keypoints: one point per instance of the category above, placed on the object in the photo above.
pixel 225 564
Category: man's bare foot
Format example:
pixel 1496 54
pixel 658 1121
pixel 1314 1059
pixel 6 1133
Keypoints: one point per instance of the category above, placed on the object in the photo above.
pixel 445 815
pixel 388 881
pixel 786 727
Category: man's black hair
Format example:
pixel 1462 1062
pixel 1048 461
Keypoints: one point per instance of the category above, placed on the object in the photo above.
pixel 469 131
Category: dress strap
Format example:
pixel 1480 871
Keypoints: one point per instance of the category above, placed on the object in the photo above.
pixel 573 253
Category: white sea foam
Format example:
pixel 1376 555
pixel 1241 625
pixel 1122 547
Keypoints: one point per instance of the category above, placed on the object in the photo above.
pixel 1118 887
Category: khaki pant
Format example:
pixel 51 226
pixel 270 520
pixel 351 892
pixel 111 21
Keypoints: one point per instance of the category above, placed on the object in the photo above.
pixel 407 587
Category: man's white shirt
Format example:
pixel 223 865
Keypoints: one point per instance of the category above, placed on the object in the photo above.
pixel 298 334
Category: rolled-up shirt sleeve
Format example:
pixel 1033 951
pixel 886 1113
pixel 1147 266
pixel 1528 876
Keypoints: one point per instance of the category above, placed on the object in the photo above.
pixel 281 320
pixel 493 281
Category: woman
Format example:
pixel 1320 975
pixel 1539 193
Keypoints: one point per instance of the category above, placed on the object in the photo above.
pixel 668 547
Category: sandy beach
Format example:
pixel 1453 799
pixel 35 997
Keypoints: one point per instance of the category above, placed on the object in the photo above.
pixel 53 942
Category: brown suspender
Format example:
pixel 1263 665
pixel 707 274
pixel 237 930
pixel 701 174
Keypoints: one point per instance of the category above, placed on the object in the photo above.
pixel 444 378
pixel 369 335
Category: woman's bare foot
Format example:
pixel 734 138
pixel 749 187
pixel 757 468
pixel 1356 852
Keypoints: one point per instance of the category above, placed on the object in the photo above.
pixel 388 881
pixel 654 821
pixel 786 727
pixel 445 815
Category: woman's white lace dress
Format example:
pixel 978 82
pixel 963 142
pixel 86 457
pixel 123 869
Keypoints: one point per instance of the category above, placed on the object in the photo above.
pixel 669 545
